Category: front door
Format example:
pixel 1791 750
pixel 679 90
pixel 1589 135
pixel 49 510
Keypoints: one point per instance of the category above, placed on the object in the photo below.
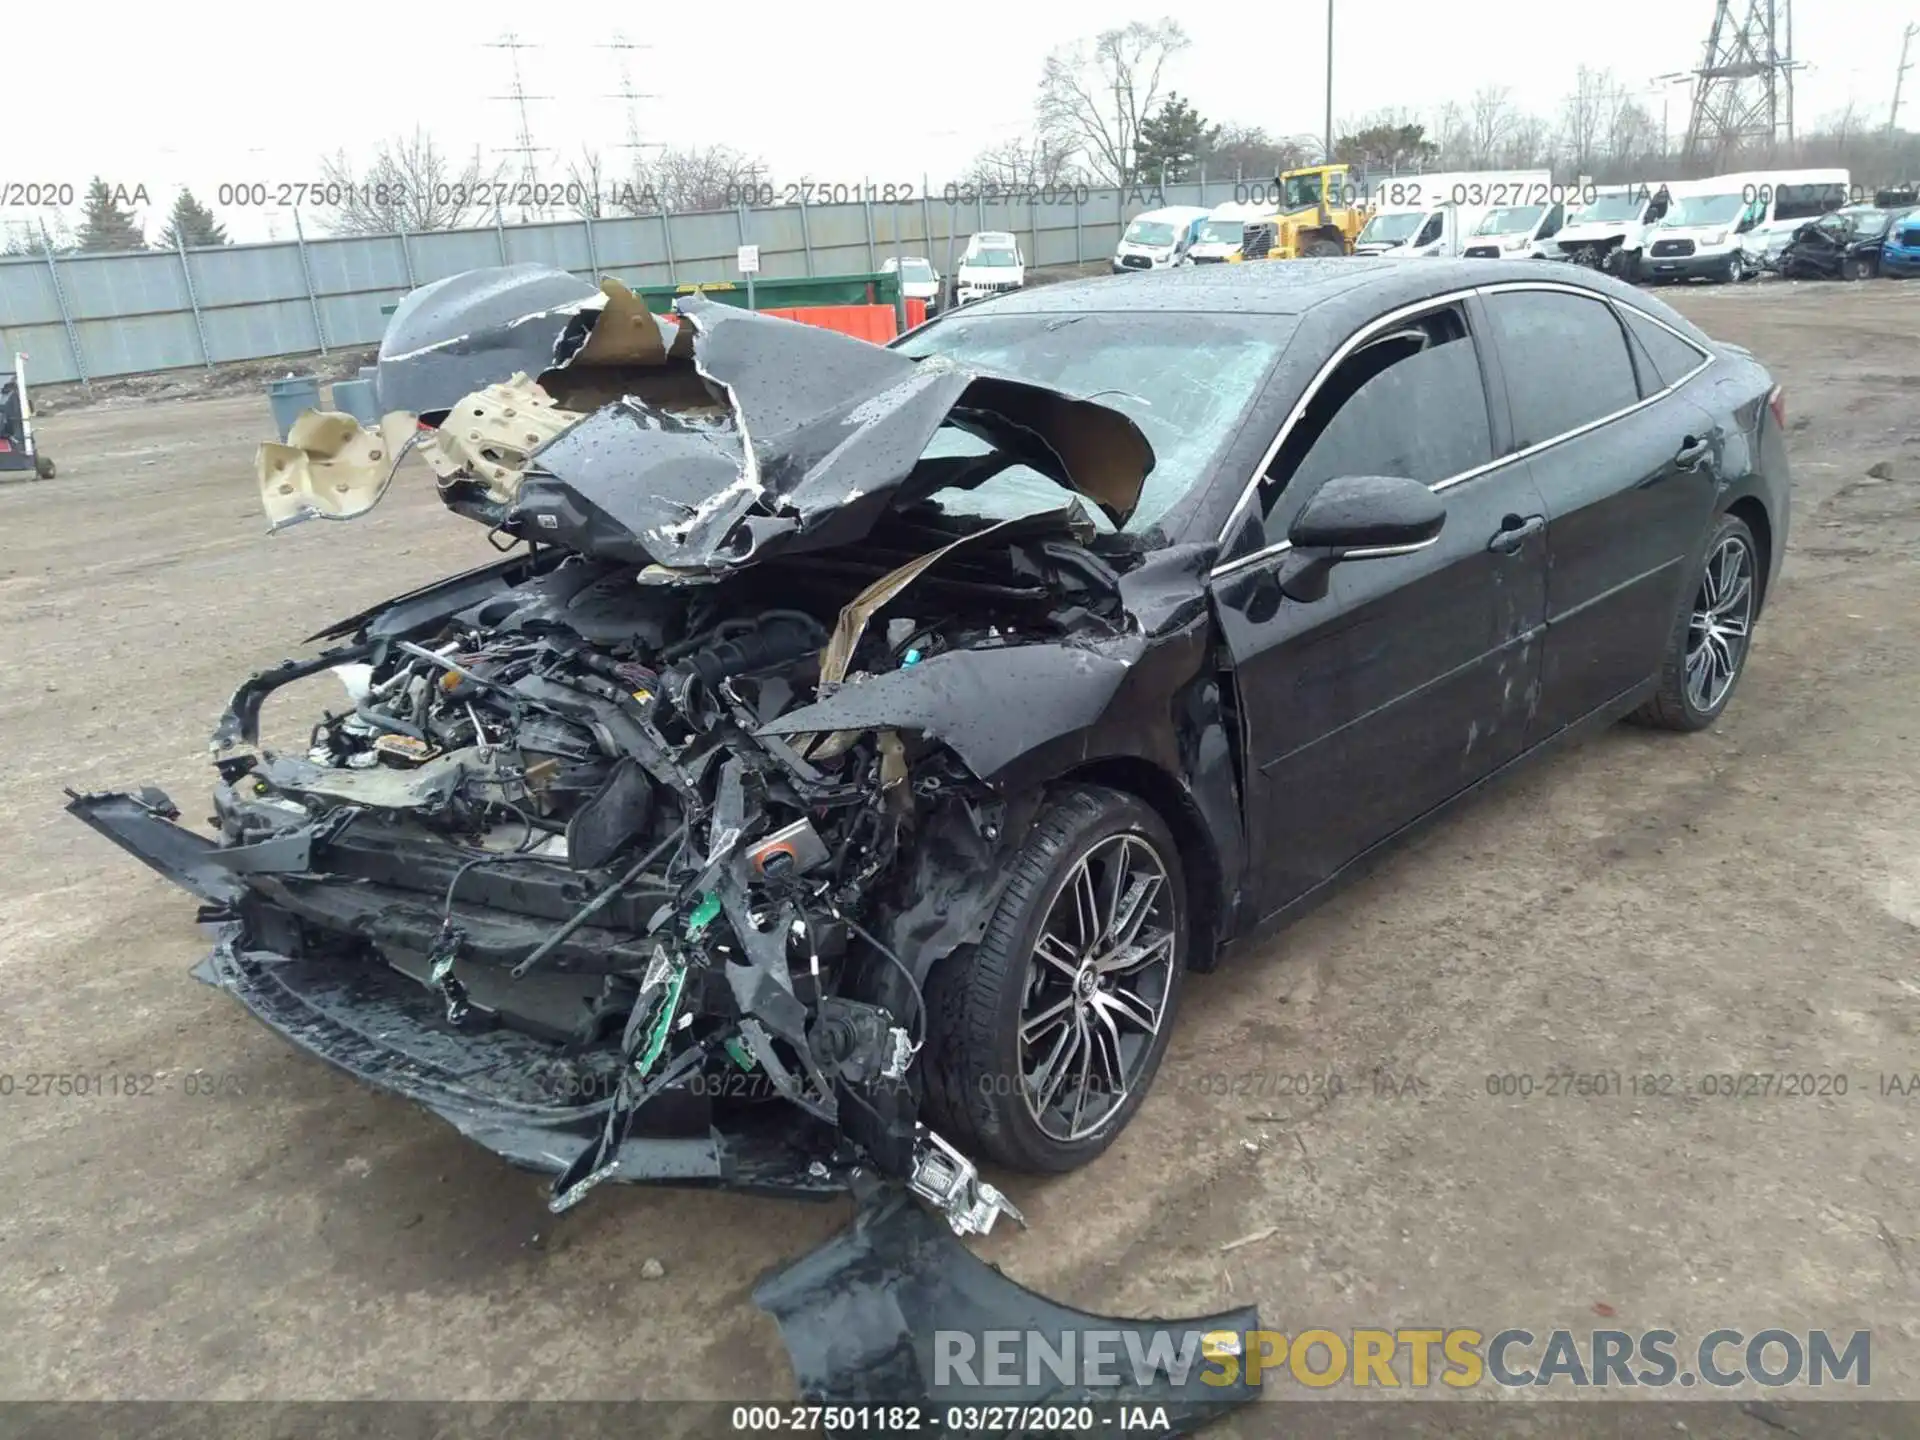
pixel 1410 679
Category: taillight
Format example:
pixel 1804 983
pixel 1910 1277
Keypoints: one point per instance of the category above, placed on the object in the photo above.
pixel 1777 402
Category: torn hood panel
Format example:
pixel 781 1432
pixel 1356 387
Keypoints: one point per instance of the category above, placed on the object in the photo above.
pixel 461 334
pixel 697 444
pixel 823 433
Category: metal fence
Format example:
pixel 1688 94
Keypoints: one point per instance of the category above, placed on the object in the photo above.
pixel 89 316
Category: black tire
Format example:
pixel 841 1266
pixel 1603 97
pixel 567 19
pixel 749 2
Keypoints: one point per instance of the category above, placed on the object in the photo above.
pixel 1323 249
pixel 1675 704
pixel 976 1086
pixel 43 467
pixel 1858 268
pixel 1736 268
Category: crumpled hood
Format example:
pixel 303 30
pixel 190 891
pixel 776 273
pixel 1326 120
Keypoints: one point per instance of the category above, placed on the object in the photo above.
pixel 461 334
pixel 825 433
pixel 1599 230
pixel 698 444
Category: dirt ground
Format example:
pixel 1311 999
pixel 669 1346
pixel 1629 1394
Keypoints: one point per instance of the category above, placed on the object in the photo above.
pixel 1746 900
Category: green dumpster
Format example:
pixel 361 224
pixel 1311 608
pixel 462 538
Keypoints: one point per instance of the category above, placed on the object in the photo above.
pixel 881 288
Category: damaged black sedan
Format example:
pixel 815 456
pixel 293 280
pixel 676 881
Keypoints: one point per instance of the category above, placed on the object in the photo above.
pixel 856 746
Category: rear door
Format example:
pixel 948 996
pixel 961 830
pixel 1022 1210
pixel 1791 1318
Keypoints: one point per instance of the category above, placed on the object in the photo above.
pixel 1625 464
pixel 1408 681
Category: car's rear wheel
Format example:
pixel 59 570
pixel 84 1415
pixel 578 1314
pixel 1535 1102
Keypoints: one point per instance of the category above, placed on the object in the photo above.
pixel 43 467
pixel 1044 1038
pixel 1707 647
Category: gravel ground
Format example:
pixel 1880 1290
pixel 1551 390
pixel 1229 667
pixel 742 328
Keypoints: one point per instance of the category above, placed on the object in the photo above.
pixel 1746 900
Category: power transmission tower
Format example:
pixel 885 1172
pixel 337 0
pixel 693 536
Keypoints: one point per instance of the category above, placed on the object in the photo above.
pixel 1900 75
pixel 627 93
pixel 1743 89
pixel 526 149
pixel 629 186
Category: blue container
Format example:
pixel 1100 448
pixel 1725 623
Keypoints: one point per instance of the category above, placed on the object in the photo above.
pixel 290 396
pixel 356 398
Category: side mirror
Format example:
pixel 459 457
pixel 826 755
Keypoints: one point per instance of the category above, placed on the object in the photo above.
pixel 1357 517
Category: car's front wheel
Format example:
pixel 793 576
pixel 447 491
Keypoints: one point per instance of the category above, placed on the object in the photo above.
pixel 1859 268
pixel 1044 1037
pixel 1707 647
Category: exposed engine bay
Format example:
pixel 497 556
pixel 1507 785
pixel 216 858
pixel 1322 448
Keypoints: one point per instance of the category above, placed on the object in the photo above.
pixel 578 732
pixel 630 855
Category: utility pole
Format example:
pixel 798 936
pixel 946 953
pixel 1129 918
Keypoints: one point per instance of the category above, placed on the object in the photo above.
pixel 1665 84
pixel 1900 75
pixel 1327 142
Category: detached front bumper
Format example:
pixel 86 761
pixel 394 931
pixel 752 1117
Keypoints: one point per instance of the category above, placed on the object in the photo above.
pixel 497 1087
pixel 892 1311
pixel 515 1093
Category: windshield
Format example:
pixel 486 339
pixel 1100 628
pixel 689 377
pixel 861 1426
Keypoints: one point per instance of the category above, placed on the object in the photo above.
pixel 1221 232
pixel 1610 207
pixel 1391 229
pixel 1302 192
pixel 917 270
pixel 1704 210
pixel 1186 380
pixel 991 260
pixel 1868 222
pixel 1150 232
pixel 1510 220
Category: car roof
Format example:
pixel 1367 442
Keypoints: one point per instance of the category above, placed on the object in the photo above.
pixel 1290 287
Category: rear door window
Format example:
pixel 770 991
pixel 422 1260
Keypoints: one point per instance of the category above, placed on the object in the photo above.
pixel 1565 361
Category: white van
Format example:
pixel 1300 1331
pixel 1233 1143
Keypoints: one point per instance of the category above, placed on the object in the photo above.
pixel 1701 235
pixel 991 264
pixel 1609 231
pixel 1516 232
pixel 1425 215
pixel 1442 232
pixel 1159 238
pixel 1785 200
pixel 1218 239
pixel 1389 227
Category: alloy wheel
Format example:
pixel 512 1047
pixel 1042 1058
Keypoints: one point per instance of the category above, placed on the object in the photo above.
pixel 1721 624
pixel 1097 986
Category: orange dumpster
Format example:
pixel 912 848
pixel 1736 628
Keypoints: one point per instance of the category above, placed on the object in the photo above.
pixel 865 322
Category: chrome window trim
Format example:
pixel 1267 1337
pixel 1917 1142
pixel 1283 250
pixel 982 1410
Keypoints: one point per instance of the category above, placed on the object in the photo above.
pixel 1374 328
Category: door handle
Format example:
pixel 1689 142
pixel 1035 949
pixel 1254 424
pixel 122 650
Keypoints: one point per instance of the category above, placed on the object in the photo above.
pixel 1514 532
pixel 1693 453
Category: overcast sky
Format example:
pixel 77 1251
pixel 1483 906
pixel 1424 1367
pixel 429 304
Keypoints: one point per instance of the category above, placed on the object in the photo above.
pixel 831 92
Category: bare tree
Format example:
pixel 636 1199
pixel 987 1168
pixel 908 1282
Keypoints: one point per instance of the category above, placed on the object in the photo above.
pixel 1631 134
pixel 1583 119
pixel 587 185
pixel 1528 144
pixel 1093 95
pixel 713 177
pixel 1491 121
pixel 411 184
pixel 1024 162
pixel 1451 133
pixel 1247 152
